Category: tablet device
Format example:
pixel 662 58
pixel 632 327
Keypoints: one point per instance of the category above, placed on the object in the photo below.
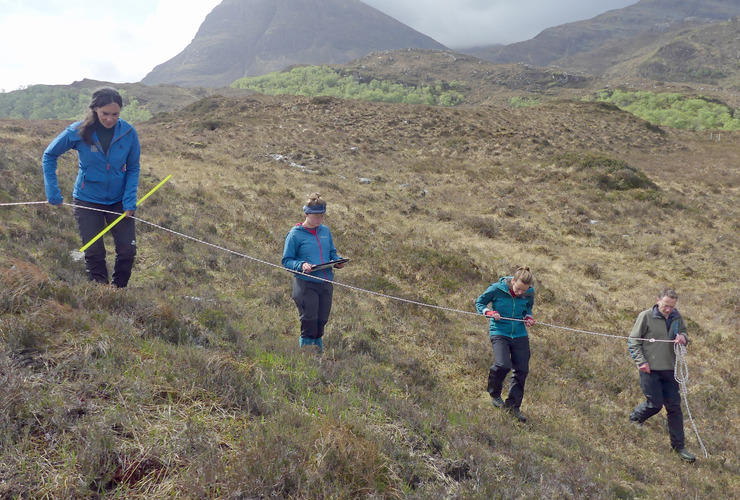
pixel 318 267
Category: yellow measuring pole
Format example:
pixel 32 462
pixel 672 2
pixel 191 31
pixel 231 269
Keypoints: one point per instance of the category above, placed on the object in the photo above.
pixel 119 219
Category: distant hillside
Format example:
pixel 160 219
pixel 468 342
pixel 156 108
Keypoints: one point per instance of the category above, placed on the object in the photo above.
pixel 706 54
pixel 610 33
pixel 478 82
pixel 483 81
pixel 252 37
pixel 432 77
pixel 70 102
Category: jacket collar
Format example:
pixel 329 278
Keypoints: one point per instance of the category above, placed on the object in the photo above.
pixel 656 314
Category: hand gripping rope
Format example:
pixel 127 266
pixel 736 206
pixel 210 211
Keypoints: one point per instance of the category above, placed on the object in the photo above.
pixel 681 367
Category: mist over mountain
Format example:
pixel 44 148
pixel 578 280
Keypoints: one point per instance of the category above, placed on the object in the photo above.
pixel 252 37
pixel 653 39
pixel 649 19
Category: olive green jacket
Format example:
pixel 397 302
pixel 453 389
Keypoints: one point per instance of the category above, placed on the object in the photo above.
pixel 651 324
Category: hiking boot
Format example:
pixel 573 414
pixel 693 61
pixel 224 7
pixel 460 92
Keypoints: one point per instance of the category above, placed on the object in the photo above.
pixel 312 350
pixel 305 341
pixel 310 346
pixel 497 401
pixel 517 414
pixel 636 423
pixel 685 455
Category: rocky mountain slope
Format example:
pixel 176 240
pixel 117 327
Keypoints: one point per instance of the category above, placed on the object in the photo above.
pixel 594 45
pixel 252 37
pixel 705 54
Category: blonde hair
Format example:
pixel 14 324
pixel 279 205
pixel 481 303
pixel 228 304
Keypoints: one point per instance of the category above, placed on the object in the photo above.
pixel 315 199
pixel 524 275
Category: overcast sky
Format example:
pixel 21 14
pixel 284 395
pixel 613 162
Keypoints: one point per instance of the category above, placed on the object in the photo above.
pixel 61 41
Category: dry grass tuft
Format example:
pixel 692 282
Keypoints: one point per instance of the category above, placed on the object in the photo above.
pixel 18 281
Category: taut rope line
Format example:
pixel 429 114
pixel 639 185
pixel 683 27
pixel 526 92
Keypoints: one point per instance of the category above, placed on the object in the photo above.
pixel 377 294
pixel 24 203
pixel 681 372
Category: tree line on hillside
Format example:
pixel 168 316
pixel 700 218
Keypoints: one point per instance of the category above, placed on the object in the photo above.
pixel 314 81
pixel 41 102
pixel 46 102
pixel 673 109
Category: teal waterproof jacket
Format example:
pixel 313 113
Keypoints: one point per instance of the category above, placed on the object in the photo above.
pixel 508 306
pixel 101 178
pixel 301 245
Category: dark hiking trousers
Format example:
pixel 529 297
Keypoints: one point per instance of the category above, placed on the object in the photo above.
pixel 509 354
pixel 314 305
pixel 661 389
pixel 89 224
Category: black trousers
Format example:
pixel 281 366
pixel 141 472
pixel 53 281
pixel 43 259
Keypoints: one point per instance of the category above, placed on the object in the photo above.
pixel 89 224
pixel 314 305
pixel 509 354
pixel 661 389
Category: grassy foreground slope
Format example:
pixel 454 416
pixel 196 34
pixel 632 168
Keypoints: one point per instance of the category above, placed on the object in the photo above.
pixel 189 383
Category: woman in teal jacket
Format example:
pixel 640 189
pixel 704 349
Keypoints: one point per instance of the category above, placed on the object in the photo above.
pixel 107 181
pixel 308 244
pixel 512 297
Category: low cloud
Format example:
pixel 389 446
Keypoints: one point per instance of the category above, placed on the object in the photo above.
pixel 467 23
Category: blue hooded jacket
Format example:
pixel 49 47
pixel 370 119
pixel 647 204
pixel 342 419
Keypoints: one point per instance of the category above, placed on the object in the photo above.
pixel 101 178
pixel 301 245
pixel 506 305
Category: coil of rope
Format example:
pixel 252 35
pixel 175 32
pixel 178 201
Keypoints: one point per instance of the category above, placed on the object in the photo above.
pixel 681 374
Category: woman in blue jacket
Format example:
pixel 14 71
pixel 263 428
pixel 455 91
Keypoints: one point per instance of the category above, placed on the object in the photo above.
pixel 512 297
pixel 107 181
pixel 308 244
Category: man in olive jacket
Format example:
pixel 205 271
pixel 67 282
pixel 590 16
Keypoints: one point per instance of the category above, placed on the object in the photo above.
pixel 656 360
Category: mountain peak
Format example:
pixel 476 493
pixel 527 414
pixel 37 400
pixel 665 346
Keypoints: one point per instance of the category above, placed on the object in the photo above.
pixel 252 37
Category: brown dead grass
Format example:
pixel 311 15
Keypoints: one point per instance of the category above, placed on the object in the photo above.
pixel 191 377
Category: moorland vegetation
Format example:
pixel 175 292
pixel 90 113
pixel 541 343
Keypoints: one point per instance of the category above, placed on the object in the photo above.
pixel 673 109
pixel 324 81
pixel 190 384
pixel 46 102
pixel 682 108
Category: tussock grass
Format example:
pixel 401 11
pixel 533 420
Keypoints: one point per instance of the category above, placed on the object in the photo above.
pixel 189 383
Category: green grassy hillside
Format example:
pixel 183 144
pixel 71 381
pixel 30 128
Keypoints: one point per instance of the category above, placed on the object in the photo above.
pixel 70 102
pixel 190 384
